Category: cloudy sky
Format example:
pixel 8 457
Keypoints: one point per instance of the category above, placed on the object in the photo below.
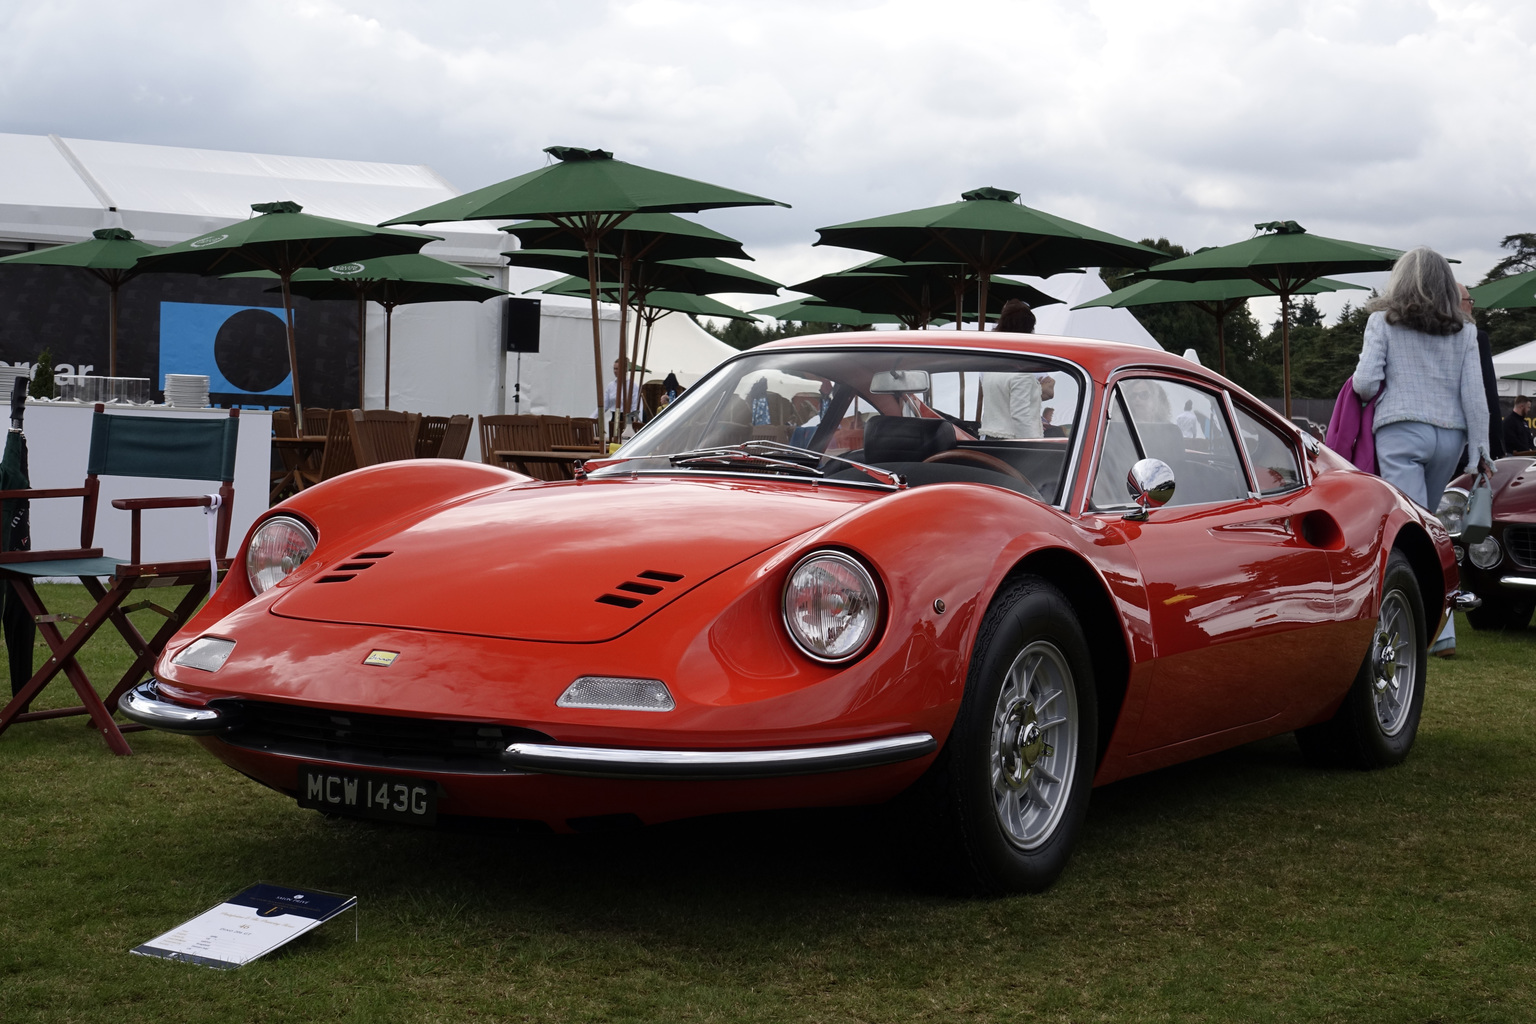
pixel 1395 122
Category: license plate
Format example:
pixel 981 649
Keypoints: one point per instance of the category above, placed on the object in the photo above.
pixel 365 795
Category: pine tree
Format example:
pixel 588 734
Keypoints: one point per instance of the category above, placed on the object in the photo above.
pixel 42 376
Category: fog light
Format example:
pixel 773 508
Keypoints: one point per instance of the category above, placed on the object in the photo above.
pixel 617 694
pixel 1485 554
pixel 207 653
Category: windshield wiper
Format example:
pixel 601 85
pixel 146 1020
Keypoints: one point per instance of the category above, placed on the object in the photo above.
pixel 773 456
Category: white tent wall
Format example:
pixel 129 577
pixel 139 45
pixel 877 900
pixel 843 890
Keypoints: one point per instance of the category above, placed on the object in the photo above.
pixel 1099 322
pixel 1521 359
pixel 557 379
pixel 680 346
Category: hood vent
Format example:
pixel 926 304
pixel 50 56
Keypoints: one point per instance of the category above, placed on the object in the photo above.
pixel 636 586
pixel 349 569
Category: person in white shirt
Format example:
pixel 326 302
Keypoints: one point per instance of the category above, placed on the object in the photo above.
pixel 611 393
pixel 1010 402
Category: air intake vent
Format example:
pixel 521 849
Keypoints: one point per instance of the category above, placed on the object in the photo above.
pixel 634 586
pixel 337 578
pixel 373 554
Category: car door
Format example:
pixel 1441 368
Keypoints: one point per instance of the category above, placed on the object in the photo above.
pixel 1235 578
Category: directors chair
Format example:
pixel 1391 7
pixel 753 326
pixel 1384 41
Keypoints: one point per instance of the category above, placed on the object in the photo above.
pixel 124 446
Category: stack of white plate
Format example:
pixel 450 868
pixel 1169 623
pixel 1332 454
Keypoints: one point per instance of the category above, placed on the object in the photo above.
pixel 8 375
pixel 186 391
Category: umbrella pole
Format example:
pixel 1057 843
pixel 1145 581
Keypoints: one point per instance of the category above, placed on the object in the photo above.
pixel 981 300
pixel 112 334
pixel 389 320
pixel 293 353
pixel 597 337
pixel 1285 349
pixel 362 345
pixel 960 303
pixel 626 375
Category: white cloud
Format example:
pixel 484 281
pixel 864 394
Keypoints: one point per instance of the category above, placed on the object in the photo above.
pixel 1387 121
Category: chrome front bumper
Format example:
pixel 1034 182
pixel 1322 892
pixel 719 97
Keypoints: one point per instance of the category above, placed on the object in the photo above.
pixel 626 763
pixel 145 705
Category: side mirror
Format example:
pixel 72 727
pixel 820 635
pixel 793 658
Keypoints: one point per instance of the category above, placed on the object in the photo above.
pixel 1150 482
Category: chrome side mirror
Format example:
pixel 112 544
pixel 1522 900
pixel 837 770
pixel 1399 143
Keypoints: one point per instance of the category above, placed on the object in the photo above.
pixel 1150 482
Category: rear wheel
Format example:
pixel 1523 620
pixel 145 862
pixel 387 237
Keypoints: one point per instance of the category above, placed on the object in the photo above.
pixel 1020 759
pixel 1376 724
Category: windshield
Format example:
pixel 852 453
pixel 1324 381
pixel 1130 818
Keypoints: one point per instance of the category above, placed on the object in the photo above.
pixel 929 415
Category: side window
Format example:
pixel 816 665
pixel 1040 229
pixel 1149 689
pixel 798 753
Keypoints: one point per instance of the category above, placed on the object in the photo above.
pixel 1116 458
pixel 1271 454
pixel 1184 426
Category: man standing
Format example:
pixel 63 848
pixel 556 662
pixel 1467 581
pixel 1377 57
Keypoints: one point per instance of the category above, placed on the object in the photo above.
pixel 1517 432
pixel 1496 448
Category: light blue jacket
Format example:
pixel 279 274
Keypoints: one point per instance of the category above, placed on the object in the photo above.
pixel 1430 378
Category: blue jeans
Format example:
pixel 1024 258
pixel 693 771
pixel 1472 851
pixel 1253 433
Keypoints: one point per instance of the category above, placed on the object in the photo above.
pixel 1419 459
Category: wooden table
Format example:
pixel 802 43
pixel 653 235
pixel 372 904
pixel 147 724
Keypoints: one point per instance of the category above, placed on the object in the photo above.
pixel 522 460
pixel 301 463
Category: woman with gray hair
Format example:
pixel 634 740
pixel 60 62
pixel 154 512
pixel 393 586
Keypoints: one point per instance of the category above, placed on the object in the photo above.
pixel 1420 352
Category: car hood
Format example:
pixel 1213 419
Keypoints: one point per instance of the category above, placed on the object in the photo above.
pixel 574 563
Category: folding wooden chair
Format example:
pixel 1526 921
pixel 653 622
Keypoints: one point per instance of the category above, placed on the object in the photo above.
pixel 132 446
pixel 379 435
pixel 337 457
pixel 429 436
pixel 455 438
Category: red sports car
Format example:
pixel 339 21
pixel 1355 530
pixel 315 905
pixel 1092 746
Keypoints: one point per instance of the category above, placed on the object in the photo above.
pixel 837 567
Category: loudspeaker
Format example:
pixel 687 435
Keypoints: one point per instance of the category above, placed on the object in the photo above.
pixel 521 321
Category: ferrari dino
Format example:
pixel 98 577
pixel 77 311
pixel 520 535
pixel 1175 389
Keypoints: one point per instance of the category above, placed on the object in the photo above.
pixel 836 569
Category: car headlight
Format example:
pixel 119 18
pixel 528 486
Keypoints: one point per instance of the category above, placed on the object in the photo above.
pixel 831 607
pixel 1452 510
pixel 1485 554
pixel 280 546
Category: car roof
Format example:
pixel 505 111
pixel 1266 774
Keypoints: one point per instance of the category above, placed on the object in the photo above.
pixel 1099 358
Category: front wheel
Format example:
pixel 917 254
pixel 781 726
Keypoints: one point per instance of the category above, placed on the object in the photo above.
pixel 1501 613
pixel 1376 724
pixel 1022 753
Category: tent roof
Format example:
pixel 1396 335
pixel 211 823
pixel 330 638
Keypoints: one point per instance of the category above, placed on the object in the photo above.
pixel 1516 360
pixel 60 190
pixel 1099 322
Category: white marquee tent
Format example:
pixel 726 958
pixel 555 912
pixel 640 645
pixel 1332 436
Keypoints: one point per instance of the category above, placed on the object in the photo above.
pixel 1521 359
pixel 447 357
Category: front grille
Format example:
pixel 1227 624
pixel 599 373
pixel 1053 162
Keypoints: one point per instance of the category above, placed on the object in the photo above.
pixel 1521 543
pixel 376 741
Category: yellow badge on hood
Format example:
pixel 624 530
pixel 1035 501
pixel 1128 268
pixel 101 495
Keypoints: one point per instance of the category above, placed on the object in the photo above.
pixel 383 659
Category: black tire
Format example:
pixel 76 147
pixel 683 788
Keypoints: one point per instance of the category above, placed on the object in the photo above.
pixel 1376 724
pixel 1501 613
pixel 1019 764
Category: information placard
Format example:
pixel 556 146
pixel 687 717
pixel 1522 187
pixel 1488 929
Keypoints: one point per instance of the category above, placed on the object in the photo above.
pixel 248 925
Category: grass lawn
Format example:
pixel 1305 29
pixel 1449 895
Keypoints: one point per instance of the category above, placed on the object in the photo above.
pixel 1243 887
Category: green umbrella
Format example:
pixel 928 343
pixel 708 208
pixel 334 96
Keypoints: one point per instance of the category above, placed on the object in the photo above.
pixel 1517 291
pixel 1283 259
pixel 909 291
pixel 698 276
pixel 387 280
pixel 672 302
pixel 284 240
pixel 590 193
pixel 814 311
pixel 1217 298
pixel 655 305
pixel 16 535
pixel 1525 375
pixel 112 255
pixel 991 233
pixel 642 238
